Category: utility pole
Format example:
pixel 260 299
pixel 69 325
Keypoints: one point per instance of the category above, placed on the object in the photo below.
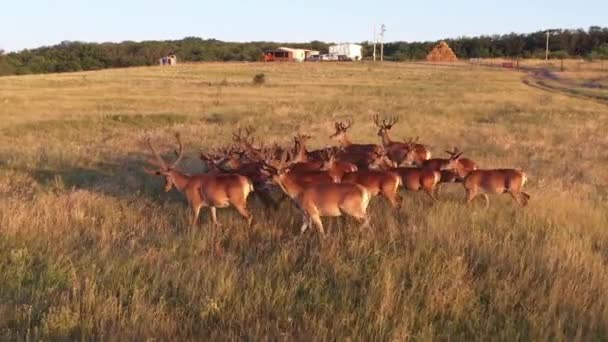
pixel 382 30
pixel 547 47
pixel 375 39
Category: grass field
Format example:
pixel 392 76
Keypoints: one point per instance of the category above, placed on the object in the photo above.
pixel 91 246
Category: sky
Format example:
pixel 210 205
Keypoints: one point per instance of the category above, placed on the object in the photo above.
pixel 33 23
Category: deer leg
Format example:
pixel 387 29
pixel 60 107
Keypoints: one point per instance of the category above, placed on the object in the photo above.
pixel 429 192
pixel 214 217
pixel 470 195
pixel 390 192
pixel 436 192
pixel 196 211
pixel 317 220
pixel 305 223
pixel 525 198
pixel 365 222
pixel 487 198
pixel 242 209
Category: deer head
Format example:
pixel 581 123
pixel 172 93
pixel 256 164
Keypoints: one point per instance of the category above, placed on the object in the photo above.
pixel 385 125
pixel 453 163
pixel 164 169
pixel 341 128
pixel 381 161
pixel 454 152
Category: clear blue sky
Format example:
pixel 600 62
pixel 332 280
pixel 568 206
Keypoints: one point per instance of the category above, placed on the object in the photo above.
pixel 33 23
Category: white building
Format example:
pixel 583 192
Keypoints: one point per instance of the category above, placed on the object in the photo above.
pixel 168 60
pixel 352 51
pixel 289 54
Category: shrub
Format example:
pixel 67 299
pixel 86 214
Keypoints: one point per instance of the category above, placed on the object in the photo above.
pixel 259 79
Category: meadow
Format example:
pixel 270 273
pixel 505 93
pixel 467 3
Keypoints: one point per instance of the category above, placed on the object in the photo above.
pixel 91 247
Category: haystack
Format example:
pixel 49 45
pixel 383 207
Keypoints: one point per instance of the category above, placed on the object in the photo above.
pixel 441 53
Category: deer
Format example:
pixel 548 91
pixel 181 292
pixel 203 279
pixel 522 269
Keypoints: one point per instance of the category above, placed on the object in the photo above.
pixel 449 176
pixel 203 190
pixel 398 151
pixel 250 169
pixel 466 165
pixel 319 199
pixel 302 160
pixel 416 178
pixel 292 182
pixel 342 138
pixel 377 182
pixel 247 141
pixel 419 152
pixel 492 181
pixel 302 154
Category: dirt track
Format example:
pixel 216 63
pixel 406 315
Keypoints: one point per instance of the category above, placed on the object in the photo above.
pixel 547 80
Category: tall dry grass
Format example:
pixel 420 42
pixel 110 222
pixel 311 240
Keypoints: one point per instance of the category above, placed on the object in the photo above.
pixel 91 247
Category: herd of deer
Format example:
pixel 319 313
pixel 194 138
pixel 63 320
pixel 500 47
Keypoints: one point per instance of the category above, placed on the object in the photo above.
pixel 332 181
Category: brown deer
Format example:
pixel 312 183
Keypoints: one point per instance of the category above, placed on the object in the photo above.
pixel 318 199
pixel 302 153
pixel 497 181
pixel 397 151
pixel 349 147
pixel 293 182
pixel 334 199
pixel 450 176
pixel 246 140
pixel 302 161
pixel 419 153
pixel 253 170
pixel 417 178
pixel 204 190
pixel 385 183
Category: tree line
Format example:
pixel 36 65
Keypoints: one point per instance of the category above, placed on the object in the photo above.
pixel 77 56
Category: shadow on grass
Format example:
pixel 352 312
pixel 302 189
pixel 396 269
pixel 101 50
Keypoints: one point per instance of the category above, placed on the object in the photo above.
pixel 121 178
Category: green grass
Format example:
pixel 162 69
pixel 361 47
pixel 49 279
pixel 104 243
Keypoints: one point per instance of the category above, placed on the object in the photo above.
pixel 90 246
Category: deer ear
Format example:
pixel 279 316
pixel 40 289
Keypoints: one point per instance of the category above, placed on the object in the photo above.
pixel 457 156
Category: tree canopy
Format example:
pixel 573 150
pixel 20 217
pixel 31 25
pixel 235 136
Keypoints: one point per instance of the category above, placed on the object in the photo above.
pixel 77 56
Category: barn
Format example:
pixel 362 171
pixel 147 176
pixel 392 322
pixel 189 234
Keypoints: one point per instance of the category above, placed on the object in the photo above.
pixel 352 51
pixel 285 54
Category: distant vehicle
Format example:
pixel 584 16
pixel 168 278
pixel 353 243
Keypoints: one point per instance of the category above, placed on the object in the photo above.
pixel 329 57
pixel 314 58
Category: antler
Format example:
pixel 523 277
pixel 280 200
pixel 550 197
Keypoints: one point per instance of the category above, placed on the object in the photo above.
pixel 246 139
pixel 391 122
pixel 179 152
pixel 385 124
pixel 343 126
pixel 159 160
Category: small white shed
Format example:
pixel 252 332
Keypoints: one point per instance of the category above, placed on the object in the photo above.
pixel 352 51
pixel 168 60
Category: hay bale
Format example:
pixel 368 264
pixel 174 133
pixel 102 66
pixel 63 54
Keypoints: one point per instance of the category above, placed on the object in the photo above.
pixel 442 53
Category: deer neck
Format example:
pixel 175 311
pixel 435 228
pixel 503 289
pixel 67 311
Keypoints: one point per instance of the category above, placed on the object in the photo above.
pixel 302 154
pixel 345 141
pixel 180 180
pixel 460 170
pixel 386 140
pixel 288 185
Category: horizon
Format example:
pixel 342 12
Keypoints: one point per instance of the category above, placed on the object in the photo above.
pixel 69 20
pixel 300 42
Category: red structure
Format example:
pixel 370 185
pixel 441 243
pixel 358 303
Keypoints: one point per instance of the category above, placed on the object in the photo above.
pixel 278 55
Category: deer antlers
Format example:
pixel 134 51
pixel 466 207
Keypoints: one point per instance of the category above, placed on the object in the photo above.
pixel 160 162
pixel 247 138
pixel 343 126
pixel 385 124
